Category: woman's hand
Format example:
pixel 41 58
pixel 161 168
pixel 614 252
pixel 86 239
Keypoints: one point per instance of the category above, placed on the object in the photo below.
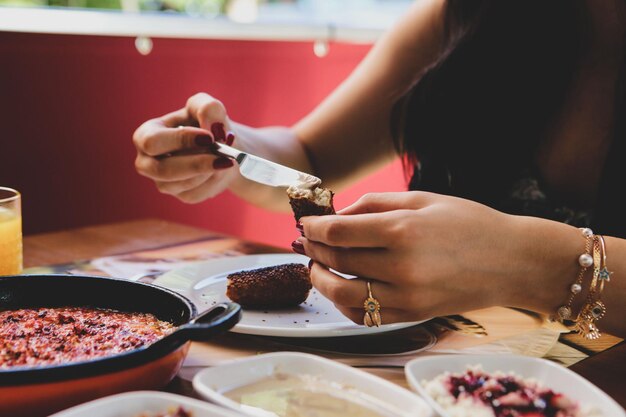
pixel 173 150
pixel 426 255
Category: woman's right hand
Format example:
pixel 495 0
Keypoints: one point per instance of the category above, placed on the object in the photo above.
pixel 174 150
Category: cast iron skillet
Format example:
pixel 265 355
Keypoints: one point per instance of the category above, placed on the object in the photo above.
pixel 148 367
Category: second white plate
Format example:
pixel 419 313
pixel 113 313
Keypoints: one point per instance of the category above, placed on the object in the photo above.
pixel 213 383
pixel 136 403
pixel 205 284
pixel 550 374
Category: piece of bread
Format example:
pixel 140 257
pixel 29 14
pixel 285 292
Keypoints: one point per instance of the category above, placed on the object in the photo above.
pixel 280 286
pixel 315 201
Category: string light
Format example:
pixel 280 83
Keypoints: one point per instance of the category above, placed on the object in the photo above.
pixel 143 44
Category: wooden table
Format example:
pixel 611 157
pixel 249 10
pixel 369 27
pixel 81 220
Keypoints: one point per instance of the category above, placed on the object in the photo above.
pixel 607 370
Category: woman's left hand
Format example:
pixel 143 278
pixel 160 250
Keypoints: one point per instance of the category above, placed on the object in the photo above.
pixel 425 254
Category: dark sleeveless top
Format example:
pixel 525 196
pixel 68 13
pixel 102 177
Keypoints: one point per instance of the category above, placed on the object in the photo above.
pixel 521 191
pixel 528 196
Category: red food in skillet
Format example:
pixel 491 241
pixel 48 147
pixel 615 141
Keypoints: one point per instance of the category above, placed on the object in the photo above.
pixel 48 336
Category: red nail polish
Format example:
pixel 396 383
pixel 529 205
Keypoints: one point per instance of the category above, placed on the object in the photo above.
pixel 230 138
pixel 298 247
pixel 218 132
pixel 204 140
pixel 223 163
pixel 300 228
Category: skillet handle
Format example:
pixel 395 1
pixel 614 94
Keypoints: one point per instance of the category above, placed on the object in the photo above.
pixel 212 322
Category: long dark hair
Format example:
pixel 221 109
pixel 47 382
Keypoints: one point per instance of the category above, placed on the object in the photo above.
pixel 477 115
pixel 501 76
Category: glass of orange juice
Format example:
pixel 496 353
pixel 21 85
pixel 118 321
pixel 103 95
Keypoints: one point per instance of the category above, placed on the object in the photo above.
pixel 10 232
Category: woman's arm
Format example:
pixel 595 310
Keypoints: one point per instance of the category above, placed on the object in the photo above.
pixel 430 255
pixel 349 135
pixel 343 139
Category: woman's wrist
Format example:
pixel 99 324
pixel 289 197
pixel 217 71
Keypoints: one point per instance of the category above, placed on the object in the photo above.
pixel 546 263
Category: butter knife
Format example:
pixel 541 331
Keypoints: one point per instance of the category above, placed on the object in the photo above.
pixel 263 171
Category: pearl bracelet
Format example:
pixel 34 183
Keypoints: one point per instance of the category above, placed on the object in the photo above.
pixel 585 260
pixel 594 309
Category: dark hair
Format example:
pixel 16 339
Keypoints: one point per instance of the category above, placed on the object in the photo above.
pixel 502 74
pixel 474 119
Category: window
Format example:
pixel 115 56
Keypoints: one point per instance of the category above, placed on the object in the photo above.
pixel 244 10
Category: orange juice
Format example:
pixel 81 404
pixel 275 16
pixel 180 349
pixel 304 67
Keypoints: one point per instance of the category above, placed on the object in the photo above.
pixel 10 242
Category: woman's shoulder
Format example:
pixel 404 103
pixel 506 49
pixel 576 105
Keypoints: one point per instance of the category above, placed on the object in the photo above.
pixel 416 40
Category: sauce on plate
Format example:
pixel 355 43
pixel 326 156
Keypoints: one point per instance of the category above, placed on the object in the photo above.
pixel 286 395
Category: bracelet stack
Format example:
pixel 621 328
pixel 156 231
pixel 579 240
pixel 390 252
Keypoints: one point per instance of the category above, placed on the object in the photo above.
pixel 593 308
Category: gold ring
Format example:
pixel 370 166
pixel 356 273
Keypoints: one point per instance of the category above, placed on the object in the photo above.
pixel 372 309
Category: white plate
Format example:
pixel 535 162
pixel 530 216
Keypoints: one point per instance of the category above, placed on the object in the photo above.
pixel 205 284
pixel 132 404
pixel 551 375
pixel 211 383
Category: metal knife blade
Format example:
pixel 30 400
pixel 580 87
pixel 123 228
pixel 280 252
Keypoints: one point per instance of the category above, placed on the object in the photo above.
pixel 265 172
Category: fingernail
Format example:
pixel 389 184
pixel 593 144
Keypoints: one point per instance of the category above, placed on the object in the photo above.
pixel 311 263
pixel 300 228
pixel 298 247
pixel 230 138
pixel 204 140
pixel 223 163
pixel 218 132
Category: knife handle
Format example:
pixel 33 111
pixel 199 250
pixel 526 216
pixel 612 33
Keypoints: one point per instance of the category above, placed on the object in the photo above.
pixel 227 151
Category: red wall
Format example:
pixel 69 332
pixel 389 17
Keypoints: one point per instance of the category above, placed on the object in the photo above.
pixel 69 106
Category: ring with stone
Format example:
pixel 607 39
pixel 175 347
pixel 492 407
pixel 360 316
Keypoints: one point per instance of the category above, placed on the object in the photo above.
pixel 372 309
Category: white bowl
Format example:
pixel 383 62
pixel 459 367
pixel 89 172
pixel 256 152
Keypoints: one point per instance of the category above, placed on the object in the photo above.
pixel 132 404
pixel 551 375
pixel 211 383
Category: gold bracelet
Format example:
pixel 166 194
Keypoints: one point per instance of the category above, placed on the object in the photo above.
pixel 585 260
pixel 594 308
pixel 604 275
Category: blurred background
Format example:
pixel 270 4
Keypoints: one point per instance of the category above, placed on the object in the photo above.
pixel 77 77
pixel 247 10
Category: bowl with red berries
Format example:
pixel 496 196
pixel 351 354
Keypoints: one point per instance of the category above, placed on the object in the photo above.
pixel 506 386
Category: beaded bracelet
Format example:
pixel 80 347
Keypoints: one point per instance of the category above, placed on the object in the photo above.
pixel 594 309
pixel 585 260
